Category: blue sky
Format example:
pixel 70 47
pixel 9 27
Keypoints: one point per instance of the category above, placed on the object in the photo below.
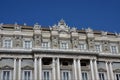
pixel 96 14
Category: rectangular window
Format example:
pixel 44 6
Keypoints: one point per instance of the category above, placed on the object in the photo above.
pixel 6 75
pixel 64 45
pixel 101 76
pixel 27 75
pixel 113 49
pixel 45 45
pixel 46 75
pixel 27 44
pixel 82 46
pixel 66 75
pixel 98 48
pixel 117 76
pixel 7 44
pixel 84 76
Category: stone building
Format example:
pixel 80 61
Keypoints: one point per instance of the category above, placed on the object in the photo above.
pixel 59 52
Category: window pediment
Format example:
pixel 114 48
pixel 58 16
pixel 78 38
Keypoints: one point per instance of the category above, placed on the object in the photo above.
pixel 27 68
pixel 117 70
pixel 6 67
pixel 101 70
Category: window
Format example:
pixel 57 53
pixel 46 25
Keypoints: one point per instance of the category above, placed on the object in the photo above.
pixel 84 76
pixel 82 46
pixel 6 75
pixel 113 49
pixel 46 75
pixel 117 76
pixel 101 76
pixel 45 45
pixel 98 48
pixel 64 45
pixel 66 75
pixel 7 44
pixel 27 44
pixel 27 75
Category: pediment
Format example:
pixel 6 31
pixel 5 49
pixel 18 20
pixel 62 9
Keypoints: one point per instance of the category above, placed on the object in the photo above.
pixel 6 67
pixel 27 68
pixel 101 70
pixel 117 70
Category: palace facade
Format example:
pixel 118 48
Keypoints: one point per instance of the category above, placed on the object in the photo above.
pixel 58 52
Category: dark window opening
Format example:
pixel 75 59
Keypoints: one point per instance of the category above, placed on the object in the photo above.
pixel 65 63
pixel 83 64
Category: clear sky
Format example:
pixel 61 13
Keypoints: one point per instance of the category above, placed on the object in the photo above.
pixel 96 14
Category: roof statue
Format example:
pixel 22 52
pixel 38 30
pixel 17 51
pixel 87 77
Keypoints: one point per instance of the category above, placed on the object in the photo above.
pixel 16 26
pixel 103 33
pixel 37 26
pixel 89 30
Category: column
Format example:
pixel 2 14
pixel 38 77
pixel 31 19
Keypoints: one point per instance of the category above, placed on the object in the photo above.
pixel 111 71
pixel 40 68
pixel 19 69
pixel 96 70
pixel 79 70
pixel 75 69
pixel 58 69
pixel 14 71
pixel 53 69
pixel 35 68
pixel 108 77
pixel 91 66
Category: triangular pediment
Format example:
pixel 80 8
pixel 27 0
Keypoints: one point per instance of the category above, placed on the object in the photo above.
pixel 101 70
pixel 117 70
pixel 27 68
pixel 6 67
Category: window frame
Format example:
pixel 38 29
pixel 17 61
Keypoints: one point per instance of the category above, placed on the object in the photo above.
pixel 64 45
pixel 103 74
pixel 86 73
pixel 69 74
pixel 116 74
pixel 7 46
pixel 10 74
pixel 45 44
pixel 27 47
pixel 23 76
pixel 82 46
pixel 114 50
pixel 50 74
pixel 98 49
